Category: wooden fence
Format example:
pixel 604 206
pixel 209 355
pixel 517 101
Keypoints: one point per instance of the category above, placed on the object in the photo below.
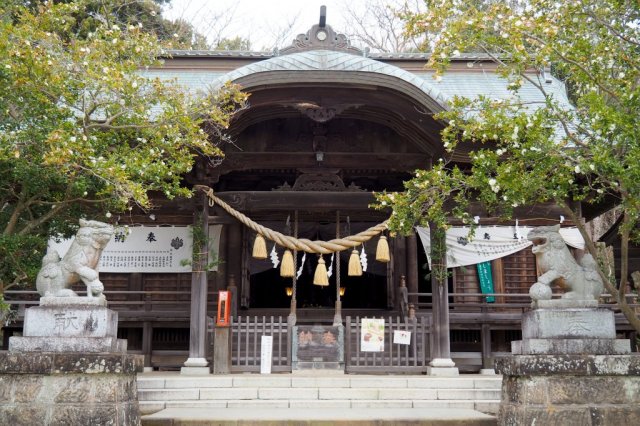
pixel 395 358
pixel 246 333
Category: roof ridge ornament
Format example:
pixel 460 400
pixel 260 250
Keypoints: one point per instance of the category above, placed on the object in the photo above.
pixel 321 37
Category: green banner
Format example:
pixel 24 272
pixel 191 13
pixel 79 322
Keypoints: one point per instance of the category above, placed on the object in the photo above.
pixel 486 280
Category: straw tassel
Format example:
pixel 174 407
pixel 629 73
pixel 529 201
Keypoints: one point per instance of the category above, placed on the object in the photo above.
pixel 286 268
pixel 355 267
pixel 320 277
pixel 382 250
pixel 259 247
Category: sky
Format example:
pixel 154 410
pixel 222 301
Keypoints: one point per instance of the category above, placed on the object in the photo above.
pixel 260 21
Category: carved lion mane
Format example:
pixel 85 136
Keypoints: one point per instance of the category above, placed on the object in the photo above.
pixel 78 264
pixel 557 265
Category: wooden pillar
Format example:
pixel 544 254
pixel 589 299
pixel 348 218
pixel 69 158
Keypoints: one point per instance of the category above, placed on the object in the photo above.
pixel 234 263
pixel 497 268
pixel 147 336
pixel 412 267
pixel 222 350
pixel 441 363
pixel 487 360
pixel 197 364
pixel 399 260
pixel 219 279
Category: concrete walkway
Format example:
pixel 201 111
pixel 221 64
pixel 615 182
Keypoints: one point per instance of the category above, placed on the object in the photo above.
pixel 291 416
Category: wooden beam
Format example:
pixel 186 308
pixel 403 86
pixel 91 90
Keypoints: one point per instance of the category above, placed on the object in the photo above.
pixel 250 201
pixel 402 162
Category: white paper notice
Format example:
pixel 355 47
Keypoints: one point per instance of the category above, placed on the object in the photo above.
pixel 402 337
pixel 265 354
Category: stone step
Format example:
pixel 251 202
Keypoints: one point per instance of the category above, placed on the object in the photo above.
pixel 288 381
pixel 315 393
pixel 306 416
pixel 163 391
pixel 485 406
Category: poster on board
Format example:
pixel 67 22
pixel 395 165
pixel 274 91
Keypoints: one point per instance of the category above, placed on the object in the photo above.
pixel 372 335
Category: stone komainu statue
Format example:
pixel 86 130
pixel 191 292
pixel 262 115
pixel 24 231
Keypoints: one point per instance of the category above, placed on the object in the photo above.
pixel 78 264
pixel 580 280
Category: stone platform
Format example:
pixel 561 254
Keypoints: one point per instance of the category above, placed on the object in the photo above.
pixel 576 323
pixel 569 369
pixel 72 389
pixel 570 390
pixel 70 321
pixel 67 344
pixel 569 331
pixel 69 368
pixel 72 324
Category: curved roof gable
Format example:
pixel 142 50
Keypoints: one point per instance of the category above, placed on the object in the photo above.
pixel 327 60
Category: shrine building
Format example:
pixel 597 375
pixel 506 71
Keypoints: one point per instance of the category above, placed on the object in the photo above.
pixel 327 126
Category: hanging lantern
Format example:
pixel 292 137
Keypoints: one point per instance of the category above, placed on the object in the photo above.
pixel 355 267
pixel 259 247
pixel 320 277
pixel 289 291
pixel 382 250
pixel 342 290
pixel 286 267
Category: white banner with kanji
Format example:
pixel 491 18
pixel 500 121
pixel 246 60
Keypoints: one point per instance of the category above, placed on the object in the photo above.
pixel 489 243
pixel 143 249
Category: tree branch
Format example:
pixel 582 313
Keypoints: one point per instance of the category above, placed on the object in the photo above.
pixel 582 68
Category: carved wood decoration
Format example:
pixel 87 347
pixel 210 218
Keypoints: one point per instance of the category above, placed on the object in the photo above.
pixel 321 37
pixel 319 113
pixel 319 181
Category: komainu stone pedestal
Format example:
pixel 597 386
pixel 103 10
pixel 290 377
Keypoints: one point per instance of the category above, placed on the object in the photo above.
pixel 569 369
pixel 69 368
pixel 570 331
pixel 49 388
pixel 570 390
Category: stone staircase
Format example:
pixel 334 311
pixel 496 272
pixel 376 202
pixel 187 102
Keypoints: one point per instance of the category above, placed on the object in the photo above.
pixel 171 391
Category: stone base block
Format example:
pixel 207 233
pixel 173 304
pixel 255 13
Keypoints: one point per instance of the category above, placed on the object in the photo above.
pixel 443 367
pixel 570 390
pixel 195 371
pixel 443 371
pixel 564 304
pixel 571 346
pixel 67 344
pixel 578 323
pixel 70 321
pixel 72 301
pixel 69 389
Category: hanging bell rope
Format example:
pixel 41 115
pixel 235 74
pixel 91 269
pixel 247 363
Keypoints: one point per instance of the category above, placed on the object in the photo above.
pixel 382 250
pixel 320 277
pixel 355 267
pixel 300 244
pixel 259 247
pixel 287 268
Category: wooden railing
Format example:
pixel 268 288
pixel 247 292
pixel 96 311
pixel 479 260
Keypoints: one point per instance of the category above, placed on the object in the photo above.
pixel 504 302
pixel 412 358
pixel 131 305
pixel 246 343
